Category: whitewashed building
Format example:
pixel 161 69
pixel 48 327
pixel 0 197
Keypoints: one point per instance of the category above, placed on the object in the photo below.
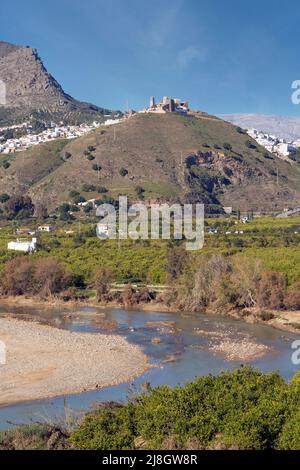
pixel 23 245
pixel 46 228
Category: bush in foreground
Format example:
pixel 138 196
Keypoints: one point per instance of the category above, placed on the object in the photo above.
pixel 243 409
pixel 34 437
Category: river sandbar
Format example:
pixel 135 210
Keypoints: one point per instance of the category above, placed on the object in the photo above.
pixel 44 362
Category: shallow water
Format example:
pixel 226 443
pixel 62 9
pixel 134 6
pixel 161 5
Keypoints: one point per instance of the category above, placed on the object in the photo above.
pixel 181 355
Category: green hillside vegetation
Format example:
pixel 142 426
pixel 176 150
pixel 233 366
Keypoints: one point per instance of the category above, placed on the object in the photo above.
pixel 172 157
pixel 30 167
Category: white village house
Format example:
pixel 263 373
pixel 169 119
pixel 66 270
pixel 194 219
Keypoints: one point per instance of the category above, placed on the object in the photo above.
pixel 23 245
pixel 46 228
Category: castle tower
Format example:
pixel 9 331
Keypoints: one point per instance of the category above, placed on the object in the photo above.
pixel 171 105
pixel 152 102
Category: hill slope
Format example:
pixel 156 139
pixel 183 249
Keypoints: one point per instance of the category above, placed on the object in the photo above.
pixel 30 89
pixel 187 158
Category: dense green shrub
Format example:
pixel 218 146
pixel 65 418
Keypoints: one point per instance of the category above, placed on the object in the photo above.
pixel 290 436
pixel 111 427
pixel 102 190
pixel 87 188
pixel 227 146
pixel 74 193
pixel 96 167
pixel 250 144
pixel 123 172
pixel 243 409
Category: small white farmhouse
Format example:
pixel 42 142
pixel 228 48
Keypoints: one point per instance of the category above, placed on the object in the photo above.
pixel 46 228
pixel 23 245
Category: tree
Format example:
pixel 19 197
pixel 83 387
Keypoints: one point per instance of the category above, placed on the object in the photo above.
pixel 102 190
pixel 268 155
pixel 176 260
pixel 64 212
pixel 17 277
pixel 6 165
pixel 4 198
pixel 245 280
pixel 140 192
pixel 78 199
pixel 204 287
pixel 97 167
pixel 50 277
pixel 293 297
pixel 227 147
pixel 88 188
pixel 19 207
pixel 103 278
pixel 250 144
pixel 271 290
pixel 73 194
pixel 88 208
pixel 123 172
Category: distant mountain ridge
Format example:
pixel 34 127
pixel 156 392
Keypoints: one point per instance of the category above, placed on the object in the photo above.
pixel 31 89
pixel 283 127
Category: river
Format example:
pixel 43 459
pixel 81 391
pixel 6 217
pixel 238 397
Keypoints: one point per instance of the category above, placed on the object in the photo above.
pixel 180 355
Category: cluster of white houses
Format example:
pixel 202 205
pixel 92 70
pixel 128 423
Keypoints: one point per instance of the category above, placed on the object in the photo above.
pixel 25 245
pixel 274 144
pixel 52 133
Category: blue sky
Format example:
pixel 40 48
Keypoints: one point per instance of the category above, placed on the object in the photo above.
pixel 223 56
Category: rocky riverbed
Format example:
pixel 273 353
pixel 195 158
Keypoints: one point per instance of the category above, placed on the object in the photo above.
pixel 233 345
pixel 43 362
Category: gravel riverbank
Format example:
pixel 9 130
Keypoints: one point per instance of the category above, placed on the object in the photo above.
pixel 43 362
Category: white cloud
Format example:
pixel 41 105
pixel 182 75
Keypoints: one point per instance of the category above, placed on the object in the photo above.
pixel 189 54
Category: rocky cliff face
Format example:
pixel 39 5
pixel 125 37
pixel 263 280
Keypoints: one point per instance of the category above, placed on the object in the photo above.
pixel 31 89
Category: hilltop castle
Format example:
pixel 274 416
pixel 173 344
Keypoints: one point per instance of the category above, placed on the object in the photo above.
pixel 167 105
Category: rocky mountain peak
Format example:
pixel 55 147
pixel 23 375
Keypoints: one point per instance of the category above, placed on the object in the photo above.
pixel 30 88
